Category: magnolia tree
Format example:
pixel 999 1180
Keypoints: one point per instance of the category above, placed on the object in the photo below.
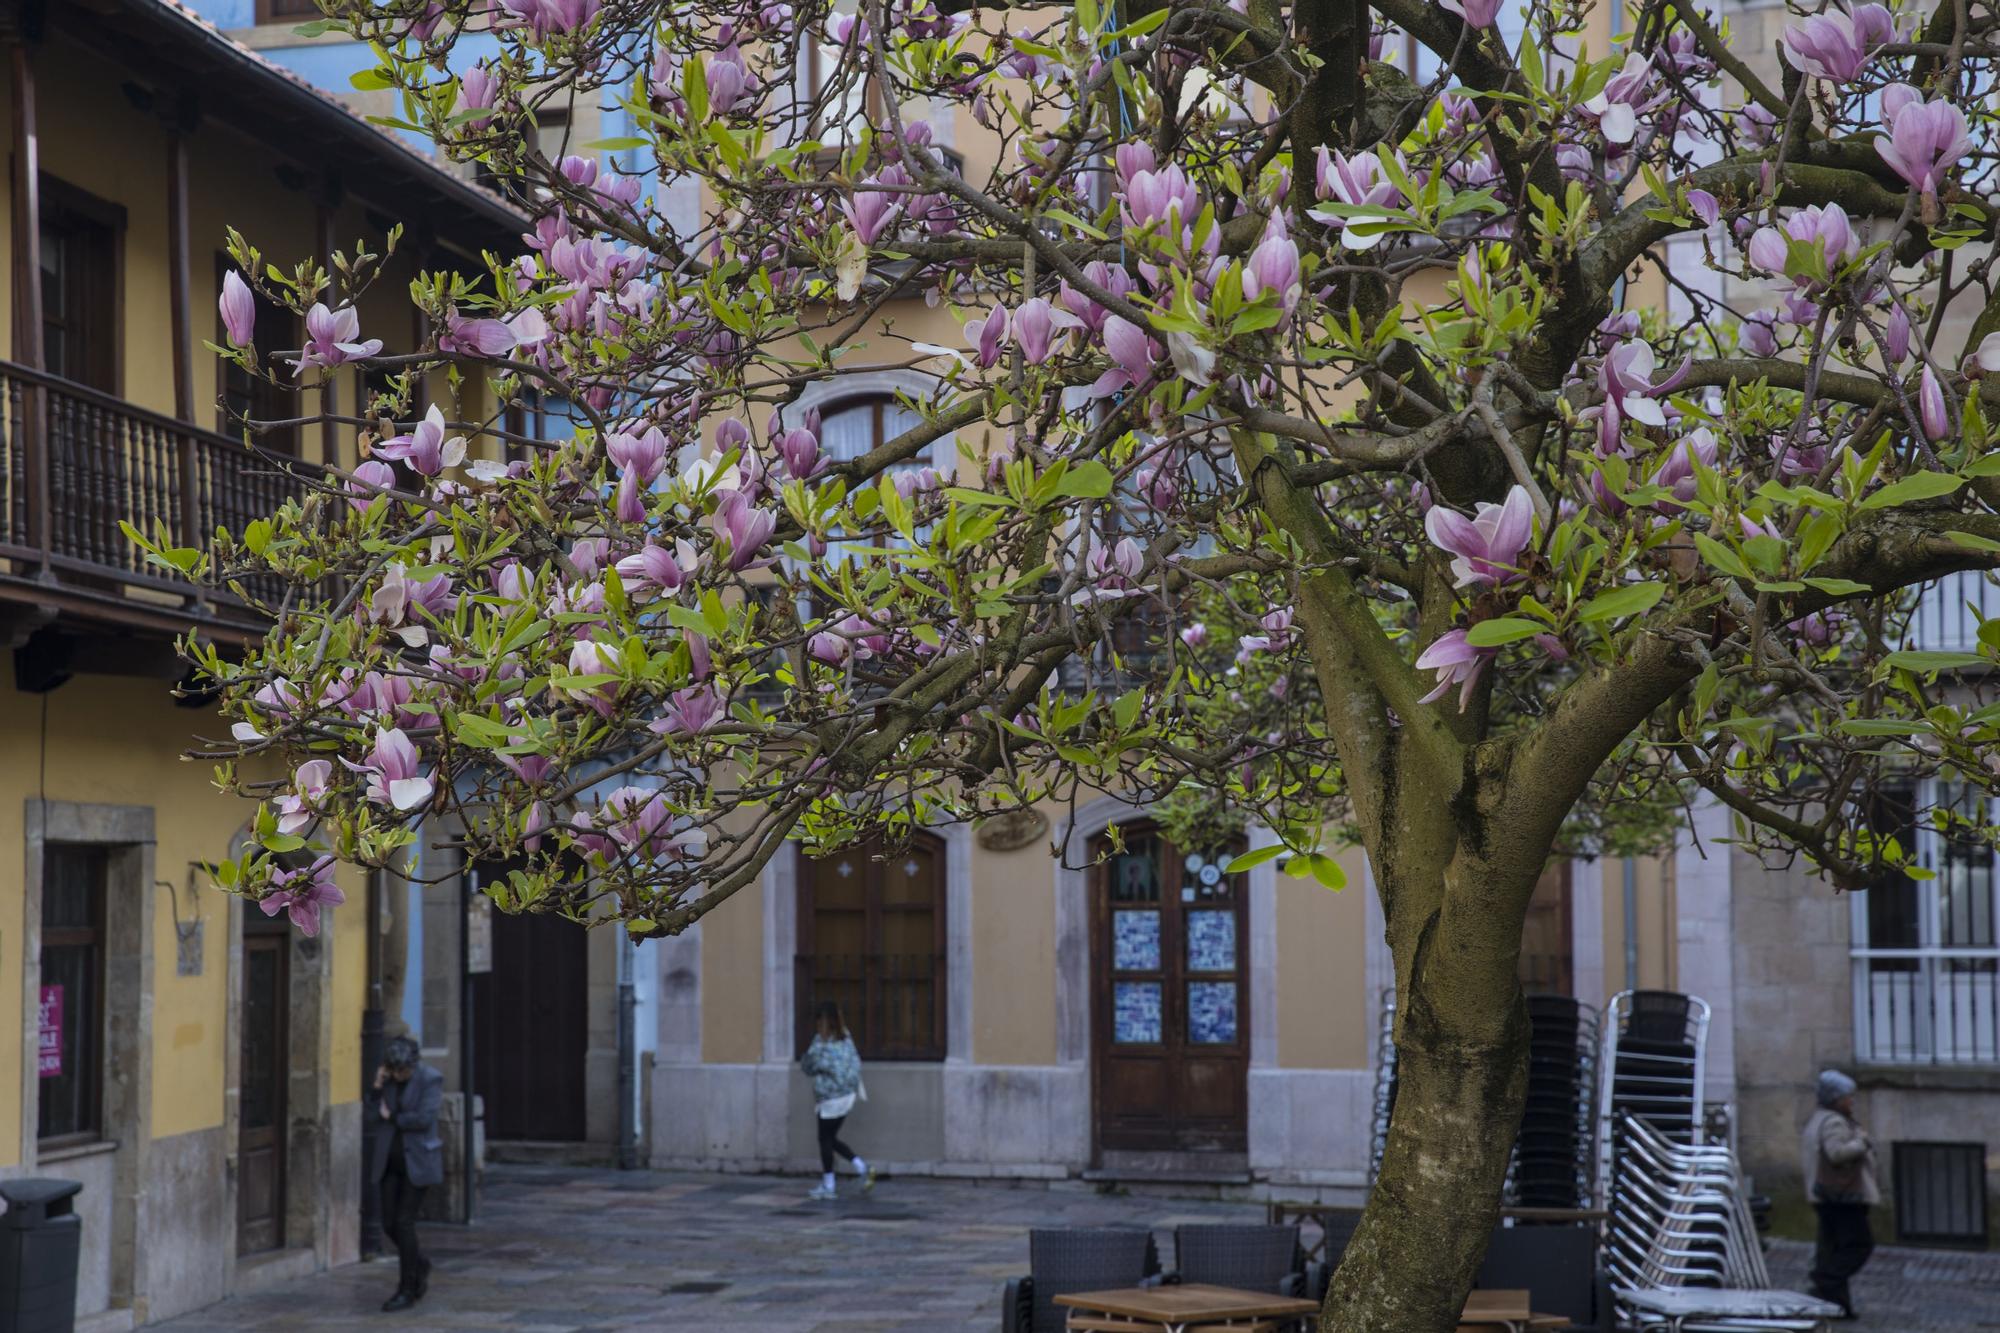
pixel 1313 457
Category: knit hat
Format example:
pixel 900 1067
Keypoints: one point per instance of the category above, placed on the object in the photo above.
pixel 1833 1085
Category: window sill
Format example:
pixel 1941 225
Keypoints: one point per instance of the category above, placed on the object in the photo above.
pixel 69 1152
pixel 1930 1078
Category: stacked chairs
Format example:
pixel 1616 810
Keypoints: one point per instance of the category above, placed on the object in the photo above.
pixel 1552 1165
pixel 1385 1086
pixel 1679 1220
pixel 1654 1044
pixel 1553 1154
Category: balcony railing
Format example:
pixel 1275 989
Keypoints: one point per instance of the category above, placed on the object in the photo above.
pixel 1927 1007
pixel 74 461
pixel 1948 612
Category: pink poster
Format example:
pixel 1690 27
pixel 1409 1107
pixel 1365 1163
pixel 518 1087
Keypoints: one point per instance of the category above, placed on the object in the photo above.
pixel 51 1046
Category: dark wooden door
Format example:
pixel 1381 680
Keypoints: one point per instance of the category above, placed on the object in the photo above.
pixel 264 1069
pixel 531 1022
pixel 1171 1021
pixel 1548 962
pixel 871 938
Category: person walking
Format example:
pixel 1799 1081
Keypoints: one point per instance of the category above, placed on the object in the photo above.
pixel 408 1161
pixel 1838 1159
pixel 835 1068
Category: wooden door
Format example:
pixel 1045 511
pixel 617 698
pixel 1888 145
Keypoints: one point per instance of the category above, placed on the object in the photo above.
pixel 1548 965
pixel 871 938
pixel 1170 1030
pixel 531 1023
pixel 264 1070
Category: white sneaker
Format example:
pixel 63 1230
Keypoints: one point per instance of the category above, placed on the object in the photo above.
pixel 822 1192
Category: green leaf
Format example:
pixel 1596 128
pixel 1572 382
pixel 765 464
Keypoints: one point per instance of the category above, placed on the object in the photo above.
pixel 1497 633
pixel 1720 557
pixel 1916 659
pixel 1847 587
pixel 1918 486
pixel 370 80
pixel 1630 600
pixel 1086 481
pixel 1974 540
pixel 1881 726
pixel 1126 711
pixel 1255 857
pixel 1321 867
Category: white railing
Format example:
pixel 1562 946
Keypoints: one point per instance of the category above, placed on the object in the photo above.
pixel 1948 612
pixel 1925 1007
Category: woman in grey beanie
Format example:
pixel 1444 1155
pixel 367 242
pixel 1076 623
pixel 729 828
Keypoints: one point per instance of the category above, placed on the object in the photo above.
pixel 1838 1159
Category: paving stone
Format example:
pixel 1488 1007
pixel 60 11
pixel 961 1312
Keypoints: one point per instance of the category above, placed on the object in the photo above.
pixel 561 1249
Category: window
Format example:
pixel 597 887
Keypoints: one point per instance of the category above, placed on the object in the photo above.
pixel 853 426
pixel 255 398
pixel 871 939
pixel 551 141
pixel 538 417
pixel 278 11
pixel 80 245
pixel 70 1018
pixel 1926 957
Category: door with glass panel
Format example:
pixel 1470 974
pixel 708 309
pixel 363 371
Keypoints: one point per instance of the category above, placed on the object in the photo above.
pixel 1170 1020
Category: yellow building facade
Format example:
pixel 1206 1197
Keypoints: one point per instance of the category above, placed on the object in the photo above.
pixel 196 1067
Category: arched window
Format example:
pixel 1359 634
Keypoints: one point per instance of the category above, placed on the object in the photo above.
pixel 871 939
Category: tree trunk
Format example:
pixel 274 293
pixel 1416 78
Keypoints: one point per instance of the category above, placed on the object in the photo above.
pixel 1461 1085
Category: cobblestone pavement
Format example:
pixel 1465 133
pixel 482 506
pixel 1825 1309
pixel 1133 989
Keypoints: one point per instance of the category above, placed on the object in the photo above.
pixel 568 1249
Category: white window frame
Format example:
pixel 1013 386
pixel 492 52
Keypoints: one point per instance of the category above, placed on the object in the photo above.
pixel 1940 1016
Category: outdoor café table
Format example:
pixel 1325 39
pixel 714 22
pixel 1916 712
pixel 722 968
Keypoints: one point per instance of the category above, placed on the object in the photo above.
pixel 1671 1308
pixel 1176 1309
pixel 1505 1308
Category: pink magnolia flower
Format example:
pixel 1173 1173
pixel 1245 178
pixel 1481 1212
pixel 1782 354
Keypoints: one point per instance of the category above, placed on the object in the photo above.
pixel 1132 355
pixel 639 459
pixel 1273 267
pixel 333 336
pixel 426 450
pixel 1456 663
pixel 1985 358
pixel 490 337
pixel 1478 13
pixel 1754 528
pixel 1635 90
pixel 547 18
pixel 395 771
pixel 651 567
pixel 1165 196
pixel 746 528
pixel 871 211
pixel 1924 138
pixel 1133 158
pixel 1676 472
pixel 1036 326
pixel 239 310
pixel 1836 44
pixel 1896 336
pixel 1486 548
pixel 301 893
pixel 1828 228
pixel 1758 334
pixel 1931 407
pixel 1704 206
pixel 477 88
pixel 1626 377
pixel 296 807
pixel 989 335
pixel 1111 277
pixel 1360 182
pixel 586 658
pixel 689 712
pixel 798 450
pixel 1195 635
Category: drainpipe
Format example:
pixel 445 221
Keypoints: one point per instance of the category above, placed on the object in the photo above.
pixel 628 1056
pixel 468 884
pixel 1631 924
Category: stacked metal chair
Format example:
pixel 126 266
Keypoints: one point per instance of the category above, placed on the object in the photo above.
pixel 1552 1165
pixel 1655 1044
pixel 1554 1154
pixel 1679 1219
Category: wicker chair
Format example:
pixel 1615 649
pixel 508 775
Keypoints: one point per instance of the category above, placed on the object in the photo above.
pixel 1066 1259
pixel 1249 1258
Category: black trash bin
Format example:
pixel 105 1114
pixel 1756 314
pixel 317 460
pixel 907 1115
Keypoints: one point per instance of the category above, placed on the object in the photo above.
pixel 40 1239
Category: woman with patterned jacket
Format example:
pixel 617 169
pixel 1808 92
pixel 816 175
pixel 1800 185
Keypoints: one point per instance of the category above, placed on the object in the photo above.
pixel 835 1068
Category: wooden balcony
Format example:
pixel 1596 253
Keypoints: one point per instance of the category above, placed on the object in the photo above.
pixel 75 461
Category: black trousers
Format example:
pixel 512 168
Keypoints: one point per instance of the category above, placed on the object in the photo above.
pixel 829 1142
pixel 1845 1242
pixel 400 1202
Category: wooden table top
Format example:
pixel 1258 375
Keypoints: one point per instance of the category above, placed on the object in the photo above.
pixel 1495 1303
pixel 1185 1303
